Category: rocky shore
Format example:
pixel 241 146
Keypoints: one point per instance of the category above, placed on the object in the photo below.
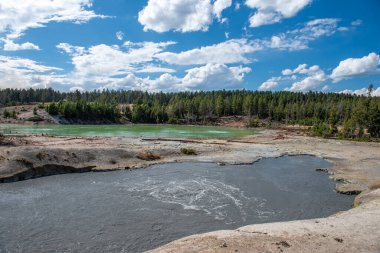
pixel 356 170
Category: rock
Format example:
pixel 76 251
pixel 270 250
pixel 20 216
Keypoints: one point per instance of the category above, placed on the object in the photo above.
pixel 283 243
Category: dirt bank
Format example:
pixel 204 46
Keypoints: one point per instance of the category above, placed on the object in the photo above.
pixel 356 169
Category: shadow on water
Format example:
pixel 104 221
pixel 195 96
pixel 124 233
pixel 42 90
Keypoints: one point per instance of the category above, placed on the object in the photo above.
pixel 141 209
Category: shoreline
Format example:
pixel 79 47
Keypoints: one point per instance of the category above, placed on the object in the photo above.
pixel 355 168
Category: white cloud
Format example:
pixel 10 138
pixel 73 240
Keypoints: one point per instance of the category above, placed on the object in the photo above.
pixel 357 22
pixel 270 84
pixel 120 35
pixel 154 69
pixel 343 29
pixel 18 16
pixel 24 73
pixel 362 92
pixel 299 39
pixel 208 77
pixel 220 6
pixel 314 82
pixel 273 11
pixel 214 76
pixel 263 18
pixel 230 51
pixel 178 15
pixel 325 88
pixel 77 88
pixel 287 72
pixel 314 78
pixel 181 15
pixel 70 49
pixel 103 61
pixel 376 92
pixel 353 67
pixel 9 45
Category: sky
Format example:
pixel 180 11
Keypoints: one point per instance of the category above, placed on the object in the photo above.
pixel 181 45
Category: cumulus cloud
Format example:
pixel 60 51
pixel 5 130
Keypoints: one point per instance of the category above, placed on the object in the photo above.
pixel 9 45
pixel 208 77
pixel 310 78
pixel 353 67
pixel 238 50
pixel 24 73
pixel 220 6
pixel 103 61
pixel 270 84
pixel 114 67
pixel 18 16
pixel 70 49
pixel 362 92
pixel 273 11
pixel 314 78
pixel 214 76
pixel 230 51
pixel 181 15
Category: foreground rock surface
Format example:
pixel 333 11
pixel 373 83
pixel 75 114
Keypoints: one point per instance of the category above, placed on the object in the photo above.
pixel 356 230
pixel 356 170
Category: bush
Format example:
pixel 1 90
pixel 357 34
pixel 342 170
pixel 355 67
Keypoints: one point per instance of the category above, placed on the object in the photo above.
pixel 52 109
pixel 188 151
pixel 321 129
pixel 253 122
pixel 148 156
pixel 6 114
pixel 35 119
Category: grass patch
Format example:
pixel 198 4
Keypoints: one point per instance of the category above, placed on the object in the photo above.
pixel 188 151
pixel 148 156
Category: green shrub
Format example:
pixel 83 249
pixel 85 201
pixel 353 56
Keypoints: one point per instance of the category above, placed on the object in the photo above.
pixel 35 119
pixel 321 129
pixel 253 122
pixel 188 151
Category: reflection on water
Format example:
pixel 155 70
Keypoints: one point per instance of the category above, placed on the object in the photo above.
pixel 132 211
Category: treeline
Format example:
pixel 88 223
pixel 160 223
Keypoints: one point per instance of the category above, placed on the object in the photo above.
pixel 329 114
pixel 84 111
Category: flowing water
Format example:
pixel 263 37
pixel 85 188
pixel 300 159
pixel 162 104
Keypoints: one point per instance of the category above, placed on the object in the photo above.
pixel 137 210
pixel 132 130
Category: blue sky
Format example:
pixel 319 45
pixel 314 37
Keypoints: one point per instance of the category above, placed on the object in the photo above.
pixel 175 45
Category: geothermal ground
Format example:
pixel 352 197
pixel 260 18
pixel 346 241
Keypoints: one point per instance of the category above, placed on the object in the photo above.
pixel 356 170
